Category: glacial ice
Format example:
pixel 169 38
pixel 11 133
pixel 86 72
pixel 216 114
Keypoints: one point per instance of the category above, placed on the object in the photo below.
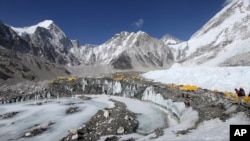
pixel 53 111
pixel 149 115
pixel 112 87
pixel 129 91
pixel 176 107
pixel 117 88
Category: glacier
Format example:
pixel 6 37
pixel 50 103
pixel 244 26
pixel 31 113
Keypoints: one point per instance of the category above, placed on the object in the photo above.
pixel 178 108
pixel 53 111
pixel 220 78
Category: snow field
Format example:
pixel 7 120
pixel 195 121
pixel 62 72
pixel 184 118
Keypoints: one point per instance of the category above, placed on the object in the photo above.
pixel 221 78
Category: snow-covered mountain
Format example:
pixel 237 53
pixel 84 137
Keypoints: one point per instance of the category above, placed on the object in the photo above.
pixel 127 51
pixel 222 41
pixel 204 60
pixel 44 40
pixel 170 40
pixel 123 51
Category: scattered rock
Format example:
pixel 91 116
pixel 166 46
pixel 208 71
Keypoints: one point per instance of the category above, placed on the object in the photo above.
pixel 158 132
pixel 84 97
pixel 120 130
pixel 72 110
pixel 27 134
pixel 38 129
pixel 70 103
pixel 72 131
pixel 126 117
pixel 74 137
pixel 8 115
pixel 39 103
pixel 105 113
pixel 113 138
pixel 99 126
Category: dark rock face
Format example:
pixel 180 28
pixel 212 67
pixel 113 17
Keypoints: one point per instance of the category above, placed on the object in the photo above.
pixel 10 40
pixel 110 121
pixel 17 48
pixel 123 62
pixel 43 45
pixel 4 76
pixel 16 66
pixel 11 66
pixel 50 44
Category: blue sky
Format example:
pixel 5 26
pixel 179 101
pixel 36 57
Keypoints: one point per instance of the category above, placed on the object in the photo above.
pixel 96 21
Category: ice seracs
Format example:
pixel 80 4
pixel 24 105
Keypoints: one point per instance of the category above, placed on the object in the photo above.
pixel 176 107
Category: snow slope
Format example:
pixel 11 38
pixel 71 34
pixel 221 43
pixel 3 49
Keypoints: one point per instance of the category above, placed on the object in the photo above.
pixel 221 78
pixel 224 36
pixel 31 29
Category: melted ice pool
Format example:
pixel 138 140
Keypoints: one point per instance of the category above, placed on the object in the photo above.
pixel 54 111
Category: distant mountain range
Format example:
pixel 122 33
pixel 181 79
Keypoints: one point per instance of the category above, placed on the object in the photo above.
pixel 127 51
pixel 222 41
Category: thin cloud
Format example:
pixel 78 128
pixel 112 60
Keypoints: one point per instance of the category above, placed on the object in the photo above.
pixel 139 23
pixel 226 2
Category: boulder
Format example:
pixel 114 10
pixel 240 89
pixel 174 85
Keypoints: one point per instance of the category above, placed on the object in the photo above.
pixel 120 130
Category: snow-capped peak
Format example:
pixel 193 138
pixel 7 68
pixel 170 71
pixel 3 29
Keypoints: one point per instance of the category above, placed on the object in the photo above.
pixel 45 23
pixel 31 29
pixel 170 40
pixel 140 32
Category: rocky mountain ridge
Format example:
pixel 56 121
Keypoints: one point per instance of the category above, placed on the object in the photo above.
pixel 127 51
pixel 48 41
pixel 45 40
pixel 16 67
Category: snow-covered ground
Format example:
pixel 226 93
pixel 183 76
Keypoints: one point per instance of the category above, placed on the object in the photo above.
pixel 151 116
pixel 54 112
pixel 221 78
pixel 214 129
pixel 145 110
pixel 51 112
